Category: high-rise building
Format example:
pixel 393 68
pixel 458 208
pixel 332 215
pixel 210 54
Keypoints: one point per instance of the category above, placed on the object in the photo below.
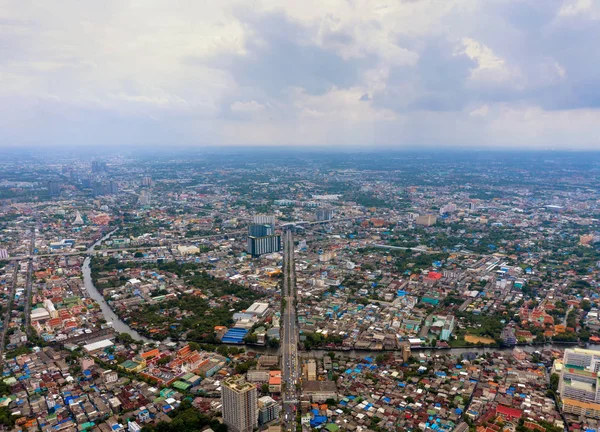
pixel 426 220
pixel 98 166
pixel 98 189
pixel 268 410
pixel 147 181
pixel 579 376
pixel 256 230
pixel 86 182
pixel 406 352
pixel 448 208
pixel 324 214
pixel 240 405
pixel 265 220
pixel 53 188
pixel 144 198
pixel 258 246
pixel 113 187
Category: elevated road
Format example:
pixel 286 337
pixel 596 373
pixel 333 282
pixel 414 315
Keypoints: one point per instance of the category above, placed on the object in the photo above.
pixel 289 337
pixel 28 286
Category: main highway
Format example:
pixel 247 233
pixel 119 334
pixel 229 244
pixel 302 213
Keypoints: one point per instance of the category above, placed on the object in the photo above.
pixel 9 305
pixel 289 337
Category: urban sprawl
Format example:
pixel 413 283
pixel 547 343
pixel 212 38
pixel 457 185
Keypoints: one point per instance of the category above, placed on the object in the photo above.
pixel 254 290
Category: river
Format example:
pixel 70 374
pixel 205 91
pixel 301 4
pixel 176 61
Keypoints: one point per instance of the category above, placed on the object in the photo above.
pixel 119 325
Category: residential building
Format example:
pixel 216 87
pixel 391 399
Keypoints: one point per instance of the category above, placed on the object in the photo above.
pixel 324 214
pixel 258 246
pixel 268 410
pixel 240 407
pixel 264 220
pixel 260 230
pixel 577 386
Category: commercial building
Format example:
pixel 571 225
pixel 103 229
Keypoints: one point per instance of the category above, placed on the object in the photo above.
pixel 260 230
pixel 240 406
pixel 311 370
pixel 320 391
pixel 99 166
pixel 53 188
pixel 275 381
pixel 448 208
pixel 268 410
pixel 98 189
pixel 113 187
pixel 324 214
pixel 426 220
pixel 258 246
pixel 258 309
pixel 578 385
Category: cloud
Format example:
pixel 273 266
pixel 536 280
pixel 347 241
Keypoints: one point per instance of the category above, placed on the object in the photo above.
pixel 361 73
pixel 482 111
pixel 246 107
pixel 576 7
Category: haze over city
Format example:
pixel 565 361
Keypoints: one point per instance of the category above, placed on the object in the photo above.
pixel 366 74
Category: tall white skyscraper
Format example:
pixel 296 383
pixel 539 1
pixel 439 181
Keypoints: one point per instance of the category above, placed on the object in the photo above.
pixel 265 220
pixel 144 198
pixel 240 404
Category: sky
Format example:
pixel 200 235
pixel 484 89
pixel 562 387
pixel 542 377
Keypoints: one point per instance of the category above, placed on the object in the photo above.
pixel 307 73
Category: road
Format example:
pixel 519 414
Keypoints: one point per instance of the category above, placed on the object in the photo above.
pixel 289 337
pixel 28 284
pixel 91 251
pixel 9 306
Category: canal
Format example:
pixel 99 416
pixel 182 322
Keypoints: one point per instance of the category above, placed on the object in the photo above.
pixel 119 325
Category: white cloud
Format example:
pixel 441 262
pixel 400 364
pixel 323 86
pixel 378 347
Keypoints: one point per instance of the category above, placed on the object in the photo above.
pixel 482 111
pixel 246 107
pixel 512 72
pixel 575 7
pixel 490 67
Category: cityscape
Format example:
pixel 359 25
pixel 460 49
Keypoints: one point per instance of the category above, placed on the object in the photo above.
pixel 342 292
pixel 300 216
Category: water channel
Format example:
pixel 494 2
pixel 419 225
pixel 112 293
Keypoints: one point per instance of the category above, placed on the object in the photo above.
pixel 118 324
pixel 359 353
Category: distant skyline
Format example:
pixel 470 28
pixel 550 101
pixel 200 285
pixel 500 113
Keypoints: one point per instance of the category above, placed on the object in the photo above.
pixel 520 74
